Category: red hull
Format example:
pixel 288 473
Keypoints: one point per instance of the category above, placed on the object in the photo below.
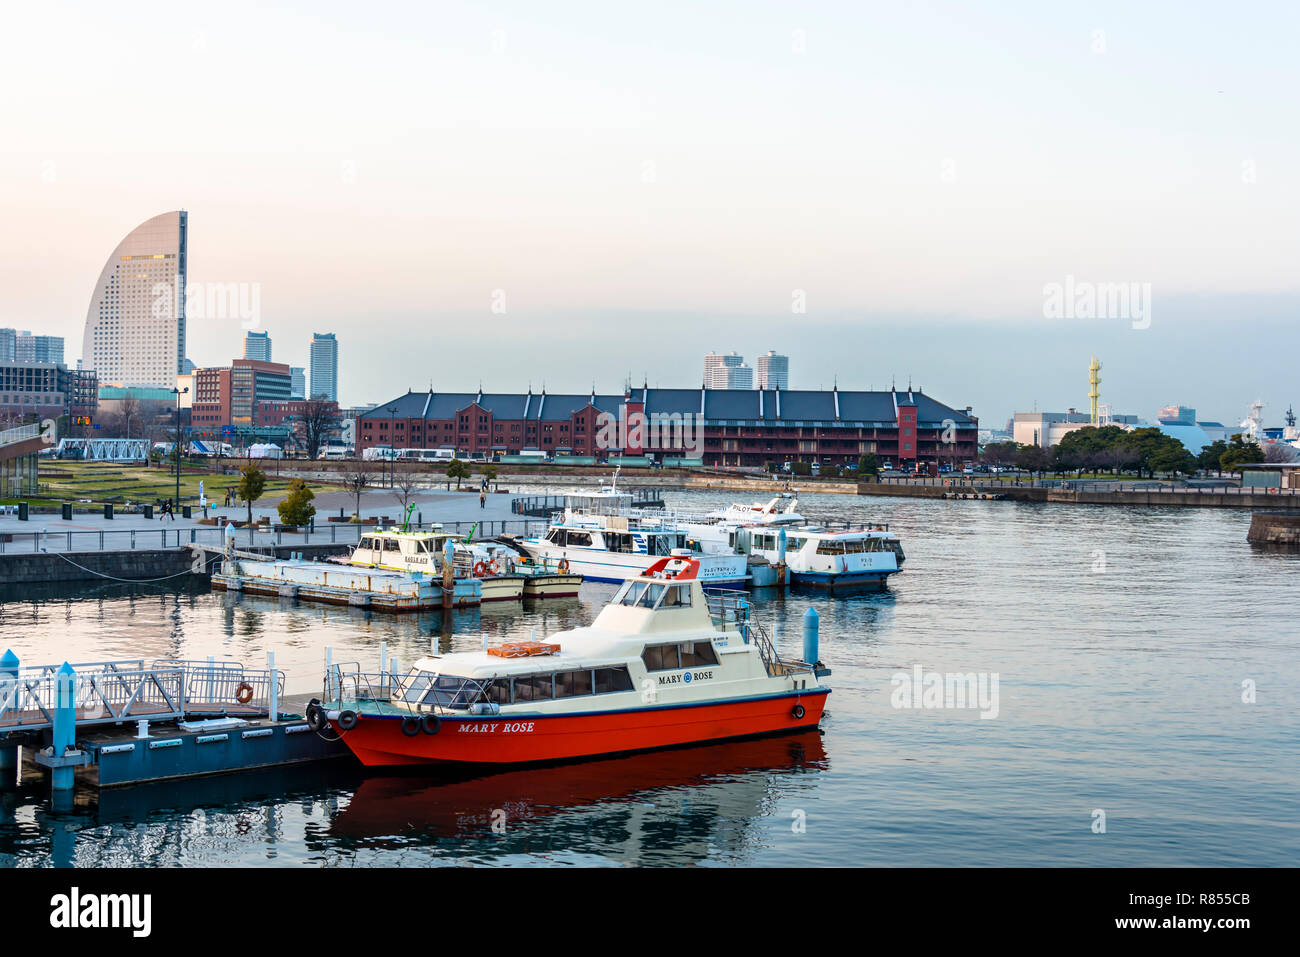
pixel 378 741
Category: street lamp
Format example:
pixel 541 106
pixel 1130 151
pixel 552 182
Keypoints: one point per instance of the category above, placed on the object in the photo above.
pixel 177 446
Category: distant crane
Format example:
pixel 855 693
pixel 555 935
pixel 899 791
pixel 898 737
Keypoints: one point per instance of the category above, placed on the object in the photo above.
pixel 1094 388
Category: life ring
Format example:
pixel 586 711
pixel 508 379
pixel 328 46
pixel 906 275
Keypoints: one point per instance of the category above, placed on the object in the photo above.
pixel 410 726
pixel 797 712
pixel 430 723
pixel 244 693
pixel 495 567
pixel 480 569
pixel 564 564
pixel 348 720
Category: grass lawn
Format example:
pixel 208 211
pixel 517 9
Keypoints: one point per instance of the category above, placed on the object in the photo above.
pixel 99 482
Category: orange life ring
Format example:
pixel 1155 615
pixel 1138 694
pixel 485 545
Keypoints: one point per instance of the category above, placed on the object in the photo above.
pixel 480 569
pixel 244 693
pixel 564 564
pixel 495 567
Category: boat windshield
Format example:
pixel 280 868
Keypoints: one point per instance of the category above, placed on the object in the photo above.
pixel 451 691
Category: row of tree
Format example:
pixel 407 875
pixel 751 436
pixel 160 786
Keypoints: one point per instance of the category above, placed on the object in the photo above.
pixel 1115 450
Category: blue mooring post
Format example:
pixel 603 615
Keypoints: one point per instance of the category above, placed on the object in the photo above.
pixel 65 726
pixel 782 575
pixel 810 620
pixel 8 752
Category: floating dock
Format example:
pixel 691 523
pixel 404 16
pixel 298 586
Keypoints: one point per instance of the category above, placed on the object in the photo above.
pixel 338 584
pixel 117 723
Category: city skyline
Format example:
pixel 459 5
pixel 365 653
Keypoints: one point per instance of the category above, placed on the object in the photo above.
pixel 919 250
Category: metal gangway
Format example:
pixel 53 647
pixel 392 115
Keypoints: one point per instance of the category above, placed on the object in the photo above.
pixel 116 692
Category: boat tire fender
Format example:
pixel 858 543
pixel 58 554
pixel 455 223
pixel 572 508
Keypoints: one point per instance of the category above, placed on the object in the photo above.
pixel 410 726
pixel 797 712
pixel 315 716
pixel 347 720
pixel 430 723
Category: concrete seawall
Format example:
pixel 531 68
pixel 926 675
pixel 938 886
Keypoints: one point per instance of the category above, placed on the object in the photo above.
pixel 1270 528
pixel 134 565
pixel 1259 499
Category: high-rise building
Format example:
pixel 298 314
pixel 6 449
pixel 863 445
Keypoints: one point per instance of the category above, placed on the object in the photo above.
pixel 257 345
pixel 727 372
pixel 297 382
pixel 30 348
pixel 8 345
pixel 325 366
pixel 135 325
pixel 253 382
pixel 773 371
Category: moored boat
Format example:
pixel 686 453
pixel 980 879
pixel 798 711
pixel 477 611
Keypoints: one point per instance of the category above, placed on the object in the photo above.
pixel 663 664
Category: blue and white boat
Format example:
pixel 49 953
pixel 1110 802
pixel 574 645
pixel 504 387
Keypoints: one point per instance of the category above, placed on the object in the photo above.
pixel 600 536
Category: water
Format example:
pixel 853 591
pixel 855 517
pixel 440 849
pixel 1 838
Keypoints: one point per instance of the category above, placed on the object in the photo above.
pixel 1121 639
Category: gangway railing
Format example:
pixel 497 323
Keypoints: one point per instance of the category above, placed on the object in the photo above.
pixel 29 700
pixel 225 687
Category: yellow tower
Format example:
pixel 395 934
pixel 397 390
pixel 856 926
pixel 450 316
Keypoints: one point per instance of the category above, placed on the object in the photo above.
pixel 1094 391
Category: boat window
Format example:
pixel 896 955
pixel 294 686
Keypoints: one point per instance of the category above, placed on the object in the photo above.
pixel 623 589
pixel 630 593
pixel 830 548
pixel 497 690
pixel 650 595
pixel 609 680
pixel 579 538
pixel 534 687
pixel 556 536
pixel 451 691
pixel 571 683
pixel 660 658
pixel 677 596
pixel 695 653
pixel 366 542
pixel 391 545
pixel 416 683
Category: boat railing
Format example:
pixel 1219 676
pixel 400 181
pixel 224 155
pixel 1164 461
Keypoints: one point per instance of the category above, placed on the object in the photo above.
pixel 347 684
pixel 345 681
pixel 731 611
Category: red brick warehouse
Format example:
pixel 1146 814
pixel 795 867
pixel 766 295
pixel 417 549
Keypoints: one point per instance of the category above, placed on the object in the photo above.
pixel 746 428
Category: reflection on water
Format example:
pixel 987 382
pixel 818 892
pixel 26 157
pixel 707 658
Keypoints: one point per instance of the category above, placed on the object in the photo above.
pixel 1122 639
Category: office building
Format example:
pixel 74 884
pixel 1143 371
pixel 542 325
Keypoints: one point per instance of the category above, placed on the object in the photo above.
pixel 298 382
pixel 257 345
pixel 324 366
pixel 773 371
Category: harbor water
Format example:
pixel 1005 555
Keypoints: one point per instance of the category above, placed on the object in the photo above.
pixel 1138 670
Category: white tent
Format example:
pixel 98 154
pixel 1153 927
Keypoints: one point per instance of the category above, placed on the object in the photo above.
pixel 265 450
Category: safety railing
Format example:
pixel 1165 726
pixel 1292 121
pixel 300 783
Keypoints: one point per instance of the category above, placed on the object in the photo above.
pixel 225 687
pixel 731 611
pixel 28 701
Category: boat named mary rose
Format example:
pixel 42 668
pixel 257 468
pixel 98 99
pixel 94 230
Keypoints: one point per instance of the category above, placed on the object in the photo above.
pixel 663 664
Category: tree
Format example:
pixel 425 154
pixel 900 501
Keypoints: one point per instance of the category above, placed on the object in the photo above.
pixel 297 509
pixel 867 464
pixel 1210 455
pixel 490 473
pixel 355 480
pixel 405 485
pixel 1033 458
pixel 252 482
pixel 458 470
pixel 316 420
pixel 1001 454
pixel 1240 452
pixel 800 468
pixel 1276 452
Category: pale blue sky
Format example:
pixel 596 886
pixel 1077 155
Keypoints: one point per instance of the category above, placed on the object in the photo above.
pixel 649 182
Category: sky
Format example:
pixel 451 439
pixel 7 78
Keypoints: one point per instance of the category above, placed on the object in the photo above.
pixel 570 194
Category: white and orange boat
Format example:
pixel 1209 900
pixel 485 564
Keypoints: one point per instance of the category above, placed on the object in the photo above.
pixel 663 664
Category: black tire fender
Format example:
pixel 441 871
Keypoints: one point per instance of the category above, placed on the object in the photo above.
pixel 347 720
pixel 797 712
pixel 410 726
pixel 430 723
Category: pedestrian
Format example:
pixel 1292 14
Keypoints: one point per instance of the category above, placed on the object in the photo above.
pixel 482 499
pixel 161 509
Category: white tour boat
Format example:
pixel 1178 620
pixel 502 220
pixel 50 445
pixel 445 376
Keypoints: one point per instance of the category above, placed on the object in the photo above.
pixel 663 664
